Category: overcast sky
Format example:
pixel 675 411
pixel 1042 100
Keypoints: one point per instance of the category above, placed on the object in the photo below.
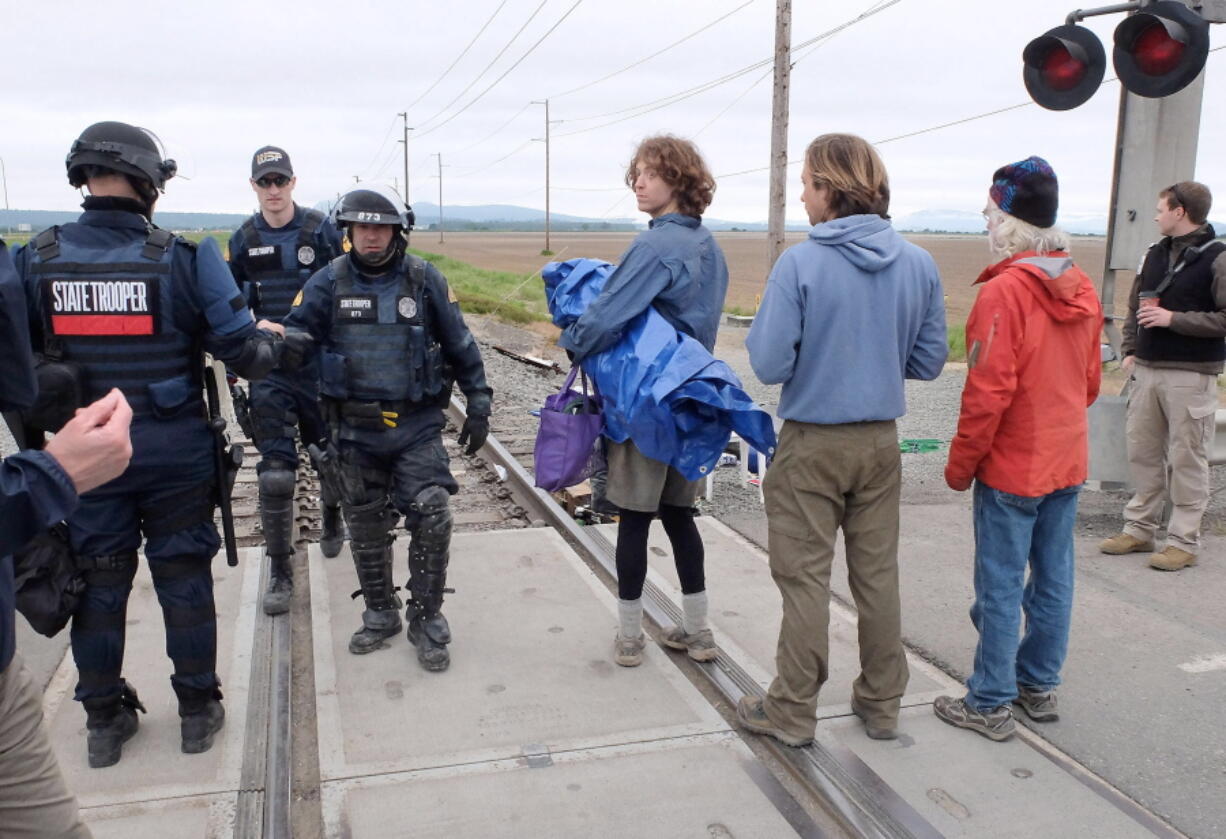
pixel 326 80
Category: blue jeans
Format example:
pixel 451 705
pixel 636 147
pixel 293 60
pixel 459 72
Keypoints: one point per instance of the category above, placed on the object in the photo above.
pixel 1012 531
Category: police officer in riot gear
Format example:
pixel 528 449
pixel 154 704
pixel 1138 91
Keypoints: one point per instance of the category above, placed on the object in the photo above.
pixel 271 256
pixel 116 302
pixel 392 342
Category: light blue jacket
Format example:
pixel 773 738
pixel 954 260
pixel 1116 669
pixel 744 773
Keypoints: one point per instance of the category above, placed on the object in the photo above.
pixel 846 317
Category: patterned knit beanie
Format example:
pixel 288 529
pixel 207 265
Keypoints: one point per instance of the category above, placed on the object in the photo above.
pixel 1027 190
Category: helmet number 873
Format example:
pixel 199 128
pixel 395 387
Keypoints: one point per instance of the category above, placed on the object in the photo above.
pixel 362 216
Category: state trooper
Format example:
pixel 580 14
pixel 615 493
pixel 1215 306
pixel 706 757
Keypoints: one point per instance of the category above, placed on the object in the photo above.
pixel 271 256
pixel 116 302
pixel 392 341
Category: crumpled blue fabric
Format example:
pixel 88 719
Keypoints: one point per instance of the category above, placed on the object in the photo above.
pixel 660 387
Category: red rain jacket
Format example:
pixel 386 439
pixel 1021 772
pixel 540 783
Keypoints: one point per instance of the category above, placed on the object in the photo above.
pixel 1034 366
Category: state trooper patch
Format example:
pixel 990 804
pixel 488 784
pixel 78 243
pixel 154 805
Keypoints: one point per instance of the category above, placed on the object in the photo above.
pixel 101 307
pixel 407 307
pixel 306 255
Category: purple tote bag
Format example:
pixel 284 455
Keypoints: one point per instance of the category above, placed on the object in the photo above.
pixel 570 425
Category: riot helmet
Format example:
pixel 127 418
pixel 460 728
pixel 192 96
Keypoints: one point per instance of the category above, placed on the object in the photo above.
pixel 377 205
pixel 121 148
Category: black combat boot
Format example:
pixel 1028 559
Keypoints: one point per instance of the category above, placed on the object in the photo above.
pixel 430 634
pixel 332 530
pixel 111 722
pixel 280 585
pixel 370 526
pixel 200 718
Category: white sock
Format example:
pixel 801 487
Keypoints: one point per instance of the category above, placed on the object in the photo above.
pixel 694 609
pixel 630 618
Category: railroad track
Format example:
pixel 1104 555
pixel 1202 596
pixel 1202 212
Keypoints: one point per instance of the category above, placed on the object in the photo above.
pixel 497 492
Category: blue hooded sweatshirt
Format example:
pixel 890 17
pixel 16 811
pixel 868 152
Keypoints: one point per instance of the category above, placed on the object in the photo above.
pixel 846 317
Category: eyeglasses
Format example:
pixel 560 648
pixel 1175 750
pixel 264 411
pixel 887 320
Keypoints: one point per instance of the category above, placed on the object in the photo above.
pixel 272 180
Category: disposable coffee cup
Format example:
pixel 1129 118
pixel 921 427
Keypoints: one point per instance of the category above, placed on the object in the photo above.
pixel 1147 299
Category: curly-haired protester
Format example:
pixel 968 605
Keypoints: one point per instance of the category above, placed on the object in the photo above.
pixel 675 266
pixel 1034 365
pixel 847 316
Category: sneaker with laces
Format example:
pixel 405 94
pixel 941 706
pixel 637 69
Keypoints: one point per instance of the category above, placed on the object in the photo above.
pixel 1039 705
pixel 752 715
pixel 700 646
pixel 1124 543
pixel 628 652
pixel 996 724
pixel 1172 558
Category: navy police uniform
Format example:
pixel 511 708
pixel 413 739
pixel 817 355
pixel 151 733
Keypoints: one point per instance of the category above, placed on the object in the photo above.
pixel 391 346
pixel 133 307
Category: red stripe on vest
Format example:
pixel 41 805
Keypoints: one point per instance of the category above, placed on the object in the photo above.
pixel 102 324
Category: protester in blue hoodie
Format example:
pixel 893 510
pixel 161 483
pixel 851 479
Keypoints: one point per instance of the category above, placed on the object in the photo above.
pixel 847 316
pixel 676 267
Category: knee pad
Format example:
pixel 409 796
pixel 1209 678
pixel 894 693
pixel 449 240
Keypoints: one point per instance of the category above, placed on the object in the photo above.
pixel 370 524
pixel 433 506
pixel 277 478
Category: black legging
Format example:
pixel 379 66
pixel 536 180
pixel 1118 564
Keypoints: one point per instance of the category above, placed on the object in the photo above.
pixel 632 550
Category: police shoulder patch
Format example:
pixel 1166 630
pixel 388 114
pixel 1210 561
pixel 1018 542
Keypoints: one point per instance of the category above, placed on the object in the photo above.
pixel 297 299
pixel 451 298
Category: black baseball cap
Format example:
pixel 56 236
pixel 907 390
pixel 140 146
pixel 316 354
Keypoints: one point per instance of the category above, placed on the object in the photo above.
pixel 270 160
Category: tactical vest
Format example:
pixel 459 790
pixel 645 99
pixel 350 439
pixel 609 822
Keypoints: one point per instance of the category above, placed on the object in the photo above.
pixel 1190 289
pixel 381 346
pixel 271 287
pixel 109 308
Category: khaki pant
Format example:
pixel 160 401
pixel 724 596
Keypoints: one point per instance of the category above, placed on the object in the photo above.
pixel 825 477
pixel 1170 427
pixel 34 801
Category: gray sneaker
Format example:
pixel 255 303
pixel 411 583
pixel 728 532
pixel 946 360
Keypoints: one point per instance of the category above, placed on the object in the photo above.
pixel 996 724
pixel 700 646
pixel 628 652
pixel 1039 705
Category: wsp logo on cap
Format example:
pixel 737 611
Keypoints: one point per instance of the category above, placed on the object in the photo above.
pixel 267 157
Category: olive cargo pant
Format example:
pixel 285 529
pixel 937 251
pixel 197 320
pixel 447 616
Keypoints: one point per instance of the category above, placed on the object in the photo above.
pixel 825 477
pixel 34 801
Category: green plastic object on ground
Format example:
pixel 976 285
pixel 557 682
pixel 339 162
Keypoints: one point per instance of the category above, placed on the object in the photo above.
pixel 915 446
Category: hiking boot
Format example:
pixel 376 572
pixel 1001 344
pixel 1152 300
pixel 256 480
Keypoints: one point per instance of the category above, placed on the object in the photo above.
pixel 996 724
pixel 752 715
pixel 332 531
pixel 1172 558
pixel 700 646
pixel 1039 705
pixel 109 724
pixel 628 652
pixel 1125 543
pixel 198 721
pixel 430 634
pixel 280 585
pixel 874 731
pixel 376 626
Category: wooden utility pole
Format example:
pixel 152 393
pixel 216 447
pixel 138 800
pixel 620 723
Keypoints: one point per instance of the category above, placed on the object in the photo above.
pixel 779 132
pixel 440 197
pixel 545 102
pixel 404 116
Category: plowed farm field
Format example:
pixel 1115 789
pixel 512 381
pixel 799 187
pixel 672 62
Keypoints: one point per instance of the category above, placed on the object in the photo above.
pixel 960 259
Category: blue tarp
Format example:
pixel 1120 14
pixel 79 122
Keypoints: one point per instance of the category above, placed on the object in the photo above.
pixel 661 388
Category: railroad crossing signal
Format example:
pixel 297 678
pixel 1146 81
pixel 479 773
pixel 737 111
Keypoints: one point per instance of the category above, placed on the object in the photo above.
pixel 1158 51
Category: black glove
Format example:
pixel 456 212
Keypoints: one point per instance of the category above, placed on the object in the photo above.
pixel 296 347
pixel 474 432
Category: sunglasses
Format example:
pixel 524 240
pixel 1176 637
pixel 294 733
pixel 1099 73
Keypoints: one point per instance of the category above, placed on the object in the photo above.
pixel 272 180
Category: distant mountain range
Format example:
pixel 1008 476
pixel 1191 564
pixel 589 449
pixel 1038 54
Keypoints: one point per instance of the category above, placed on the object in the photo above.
pixel 508 217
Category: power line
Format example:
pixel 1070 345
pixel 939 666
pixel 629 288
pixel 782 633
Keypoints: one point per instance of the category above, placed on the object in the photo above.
pixel 463 53
pixel 674 98
pixel 496 130
pixel 486 69
pixel 381 145
pixel 491 164
pixel 653 55
pixel 531 49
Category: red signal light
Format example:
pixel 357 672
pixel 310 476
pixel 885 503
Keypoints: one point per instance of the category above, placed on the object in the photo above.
pixel 1061 71
pixel 1156 52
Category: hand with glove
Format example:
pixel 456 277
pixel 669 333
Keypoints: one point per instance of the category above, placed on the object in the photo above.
pixel 296 348
pixel 474 432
